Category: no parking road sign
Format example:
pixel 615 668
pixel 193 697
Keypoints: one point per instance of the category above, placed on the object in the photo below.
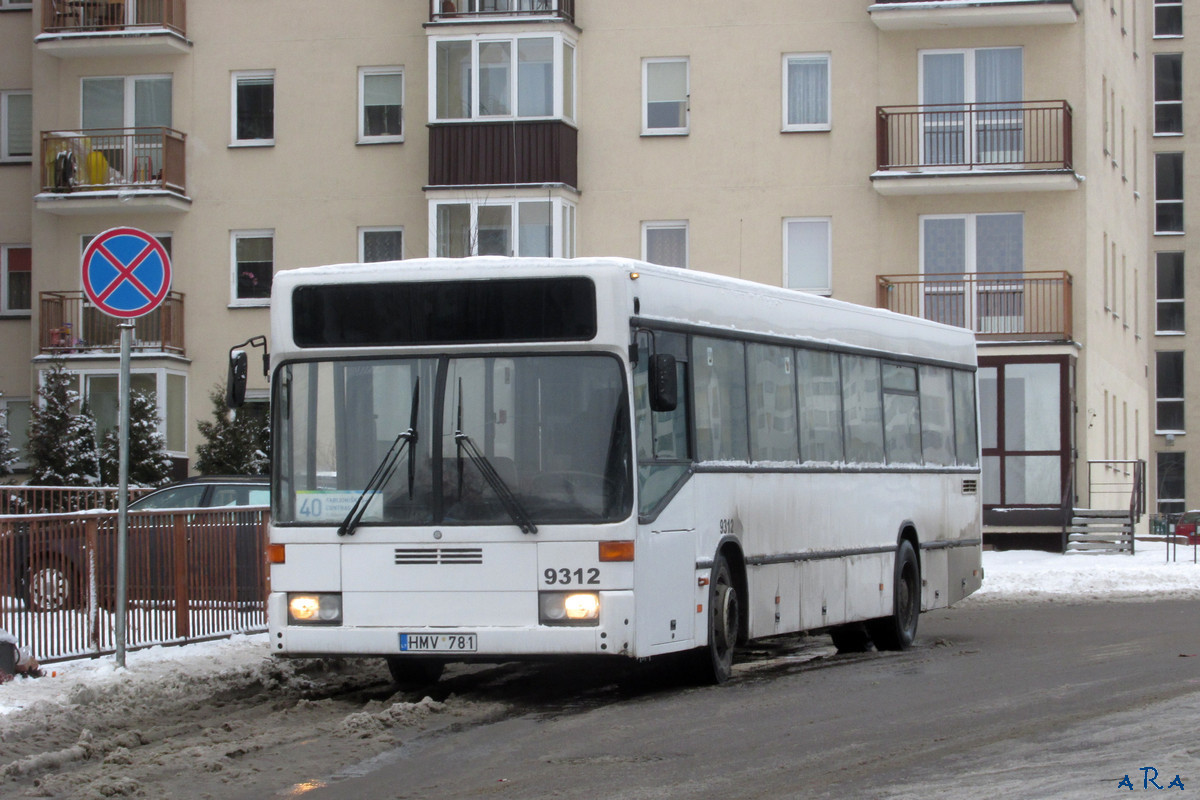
pixel 126 272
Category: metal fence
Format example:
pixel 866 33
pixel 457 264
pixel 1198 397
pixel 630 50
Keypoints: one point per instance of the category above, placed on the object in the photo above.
pixel 24 499
pixel 192 575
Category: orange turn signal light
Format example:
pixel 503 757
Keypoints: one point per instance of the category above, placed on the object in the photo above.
pixel 275 554
pixel 616 551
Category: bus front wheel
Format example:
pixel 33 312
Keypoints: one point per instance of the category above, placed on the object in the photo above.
pixel 898 631
pixel 714 662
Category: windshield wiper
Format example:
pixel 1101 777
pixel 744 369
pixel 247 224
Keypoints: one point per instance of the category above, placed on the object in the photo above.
pixel 387 467
pixel 507 499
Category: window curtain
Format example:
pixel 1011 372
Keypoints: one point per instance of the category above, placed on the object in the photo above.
pixel 808 91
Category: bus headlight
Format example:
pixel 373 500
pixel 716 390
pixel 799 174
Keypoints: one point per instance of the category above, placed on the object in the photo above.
pixel 568 608
pixel 314 609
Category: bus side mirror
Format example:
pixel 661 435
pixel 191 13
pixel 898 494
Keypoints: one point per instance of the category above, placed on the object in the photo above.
pixel 664 384
pixel 235 382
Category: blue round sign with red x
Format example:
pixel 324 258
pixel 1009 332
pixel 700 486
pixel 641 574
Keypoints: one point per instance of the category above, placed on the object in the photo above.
pixel 126 272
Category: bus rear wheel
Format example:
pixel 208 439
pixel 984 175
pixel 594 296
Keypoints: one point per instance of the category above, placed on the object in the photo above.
pixel 414 671
pixel 714 661
pixel 898 631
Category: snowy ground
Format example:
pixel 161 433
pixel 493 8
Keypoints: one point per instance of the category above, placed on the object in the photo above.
pixel 1010 577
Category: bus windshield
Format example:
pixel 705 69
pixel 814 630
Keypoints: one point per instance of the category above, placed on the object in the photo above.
pixel 520 440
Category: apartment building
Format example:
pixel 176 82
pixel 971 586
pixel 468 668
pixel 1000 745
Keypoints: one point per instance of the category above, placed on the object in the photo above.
pixel 985 164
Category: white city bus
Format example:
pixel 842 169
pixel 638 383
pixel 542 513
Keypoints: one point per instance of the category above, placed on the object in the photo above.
pixel 493 459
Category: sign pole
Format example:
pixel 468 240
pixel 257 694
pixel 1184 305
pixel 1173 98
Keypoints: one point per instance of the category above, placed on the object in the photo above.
pixel 123 490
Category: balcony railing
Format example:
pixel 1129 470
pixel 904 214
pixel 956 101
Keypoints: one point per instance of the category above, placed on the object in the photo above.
pixel 503 153
pixel 463 10
pixel 1034 135
pixel 69 325
pixel 1024 306
pixel 113 158
pixel 135 16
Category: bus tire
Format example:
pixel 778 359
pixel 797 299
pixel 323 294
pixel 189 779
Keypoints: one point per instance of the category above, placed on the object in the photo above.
pixel 414 671
pixel 897 632
pixel 714 661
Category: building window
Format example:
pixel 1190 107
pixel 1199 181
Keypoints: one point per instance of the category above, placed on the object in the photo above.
pixel 1168 18
pixel 381 101
pixel 1022 413
pixel 486 77
pixel 665 243
pixel 806 90
pixel 254 108
pixel 15 415
pixel 1168 192
pixel 515 227
pixel 16 127
pixel 1172 497
pixel 807 248
pixel 380 244
pixel 1168 388
pixel 1169 293
pixel 16 5
pixel 665 93
pixel 992 135
pixel 253 256
pixel 1168 93
pixel 16 279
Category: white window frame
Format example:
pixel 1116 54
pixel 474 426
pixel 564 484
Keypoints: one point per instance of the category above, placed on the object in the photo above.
pixel 559 112
pixel 1171 200
pixel 665 225
pixel 1160 399
pixel 827 289
pixel 362 238
pixel 5 310
pixel 1154 16
pixel 687 96
pixel 234 79
pixel 363 74
pixel 160 374
pixel 562 211
pixel 1160 301
pixel 825 58
pixel 1157 102
pixel 16 5
pixel 234 236
pixel 5 156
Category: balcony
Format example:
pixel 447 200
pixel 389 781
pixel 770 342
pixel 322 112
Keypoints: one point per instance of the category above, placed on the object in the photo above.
pixel 70 325
pixel 503 153
pixel 915 15
pixel 493 10
pixel 997 306
pixel 974 147
pixel 110 169
pixel 89 28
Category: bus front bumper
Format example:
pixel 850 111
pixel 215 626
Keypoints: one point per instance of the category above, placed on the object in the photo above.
pixel 611 634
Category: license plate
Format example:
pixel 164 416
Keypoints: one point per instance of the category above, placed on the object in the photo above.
pixel 437 643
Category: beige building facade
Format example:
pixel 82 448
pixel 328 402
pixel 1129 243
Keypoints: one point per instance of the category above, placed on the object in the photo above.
pixel 990 165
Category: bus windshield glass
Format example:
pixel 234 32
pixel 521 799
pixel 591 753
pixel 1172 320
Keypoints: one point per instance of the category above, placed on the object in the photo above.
pixel 520 440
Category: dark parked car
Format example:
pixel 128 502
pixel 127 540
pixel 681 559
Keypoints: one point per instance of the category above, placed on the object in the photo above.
pixel 50 562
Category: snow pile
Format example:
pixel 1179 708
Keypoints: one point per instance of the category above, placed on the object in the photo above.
pixel 1025 576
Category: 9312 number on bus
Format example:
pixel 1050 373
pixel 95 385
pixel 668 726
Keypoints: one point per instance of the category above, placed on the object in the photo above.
pixel 565 576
